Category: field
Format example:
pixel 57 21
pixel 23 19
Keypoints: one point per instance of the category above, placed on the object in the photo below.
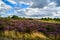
pixel 28 29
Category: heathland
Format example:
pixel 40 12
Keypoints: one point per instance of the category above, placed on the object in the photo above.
pixel 17 28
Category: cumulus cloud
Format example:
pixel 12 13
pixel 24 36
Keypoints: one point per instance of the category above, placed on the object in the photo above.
pixel 47 11
pixel 36 8
pixel 34 3
pixel 3 8
pixel 39 3
pixel 41 12
pixel 57 1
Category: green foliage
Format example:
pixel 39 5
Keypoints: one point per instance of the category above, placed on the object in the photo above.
pixel 14 17
pixel 45 18
pixel 55 19
pixel 7 18
pixel 23 18
pixel 30 18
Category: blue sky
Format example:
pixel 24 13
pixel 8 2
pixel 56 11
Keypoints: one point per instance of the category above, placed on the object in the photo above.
pixel 30 8
pixel 15 5
pixel 8 3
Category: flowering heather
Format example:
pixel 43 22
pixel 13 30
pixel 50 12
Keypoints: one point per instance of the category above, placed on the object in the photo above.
pixel 31 25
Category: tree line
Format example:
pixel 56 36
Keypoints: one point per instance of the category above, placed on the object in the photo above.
pixel 17 17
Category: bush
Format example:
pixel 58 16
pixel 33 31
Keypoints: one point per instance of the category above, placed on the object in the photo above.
pixel 57 19
pixel 30 19
pixel 14 17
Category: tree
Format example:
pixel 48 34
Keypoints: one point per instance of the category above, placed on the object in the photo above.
pixel 14 17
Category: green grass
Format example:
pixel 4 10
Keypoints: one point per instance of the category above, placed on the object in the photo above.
pixel 49 21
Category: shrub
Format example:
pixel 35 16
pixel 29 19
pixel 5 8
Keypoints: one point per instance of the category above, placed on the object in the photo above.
pixel 14 17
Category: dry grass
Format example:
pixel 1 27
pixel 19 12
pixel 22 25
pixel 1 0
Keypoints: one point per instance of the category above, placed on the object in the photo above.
pixel 27 36
pixel 41 35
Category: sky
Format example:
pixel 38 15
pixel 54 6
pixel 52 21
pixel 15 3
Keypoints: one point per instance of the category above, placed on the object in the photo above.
pixel 30 8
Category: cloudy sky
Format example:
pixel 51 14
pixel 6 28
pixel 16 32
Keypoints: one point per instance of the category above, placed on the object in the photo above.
pixel 30 8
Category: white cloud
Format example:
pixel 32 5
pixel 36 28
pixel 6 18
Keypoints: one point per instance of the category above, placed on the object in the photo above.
pixel 32 11
pixel 12 1
pixel 47 11
pixel 50 10
pixel 3 8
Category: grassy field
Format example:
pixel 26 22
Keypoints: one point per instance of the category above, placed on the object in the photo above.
pixel 29 29
pixel 50 21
